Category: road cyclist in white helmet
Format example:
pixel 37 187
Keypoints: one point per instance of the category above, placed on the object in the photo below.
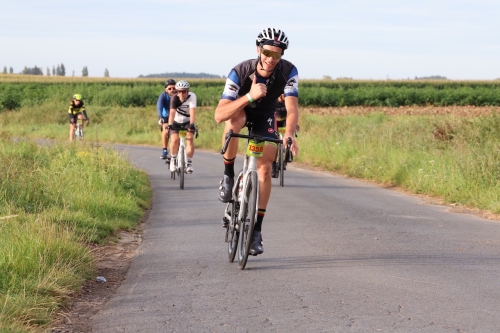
pixel 182 116
pixel 250 95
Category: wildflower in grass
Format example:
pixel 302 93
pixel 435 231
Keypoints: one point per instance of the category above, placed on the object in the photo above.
pixel 82 154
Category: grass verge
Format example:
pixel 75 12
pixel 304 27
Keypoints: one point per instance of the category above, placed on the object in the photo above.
pixel 53 201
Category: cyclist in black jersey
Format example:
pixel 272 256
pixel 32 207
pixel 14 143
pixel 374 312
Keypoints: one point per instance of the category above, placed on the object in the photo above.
pixel 250 95
pixel 76 111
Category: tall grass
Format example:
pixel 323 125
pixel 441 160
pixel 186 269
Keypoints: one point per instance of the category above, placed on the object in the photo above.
pixel 54 200
pixel 454 158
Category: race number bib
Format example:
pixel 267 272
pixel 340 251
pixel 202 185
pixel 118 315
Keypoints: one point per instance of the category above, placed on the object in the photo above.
pixel 255 149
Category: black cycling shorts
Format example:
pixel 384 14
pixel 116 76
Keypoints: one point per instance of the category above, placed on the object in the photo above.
pixel 177 126
pixel 262 124
pixel 73 117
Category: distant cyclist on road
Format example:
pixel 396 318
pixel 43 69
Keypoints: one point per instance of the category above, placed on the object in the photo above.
pixel 280 115
pixel 163 108
pixel 182 116
pixel 76 111
pixel 250 95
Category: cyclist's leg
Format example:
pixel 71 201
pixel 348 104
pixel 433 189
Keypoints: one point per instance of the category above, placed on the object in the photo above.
pixel 264 170
pixel 165 136
pixel 236 124
pixel 264 127
pixel 81 117
pixel 72 126
pixel 190 145
pixel 189 151
pixel 174 141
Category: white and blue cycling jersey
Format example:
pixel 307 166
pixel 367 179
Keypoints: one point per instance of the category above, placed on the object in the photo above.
pixel 284 79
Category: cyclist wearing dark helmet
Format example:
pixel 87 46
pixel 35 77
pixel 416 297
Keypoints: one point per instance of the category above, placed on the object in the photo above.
pixel 163 109
pixel 250 95
pixel 76 111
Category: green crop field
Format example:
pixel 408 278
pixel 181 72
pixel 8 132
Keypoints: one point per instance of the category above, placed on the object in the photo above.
pixel 24 90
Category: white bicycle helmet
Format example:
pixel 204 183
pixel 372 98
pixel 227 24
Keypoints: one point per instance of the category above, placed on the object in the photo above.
pixel 273 37
pixel 182 85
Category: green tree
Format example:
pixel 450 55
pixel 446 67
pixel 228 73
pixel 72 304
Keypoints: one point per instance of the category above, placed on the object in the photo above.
pixel 85 71
pixel 4 69
pixel 53 70
pixel 48 71
pixel 106 73
pixel 11 70
pixel 63 70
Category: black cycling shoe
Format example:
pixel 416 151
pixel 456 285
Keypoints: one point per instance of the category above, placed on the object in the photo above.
pixel 274 170
pixel 225 189
pixel 256 246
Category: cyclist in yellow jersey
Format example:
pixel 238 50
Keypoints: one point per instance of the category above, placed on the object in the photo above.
pixel 76 111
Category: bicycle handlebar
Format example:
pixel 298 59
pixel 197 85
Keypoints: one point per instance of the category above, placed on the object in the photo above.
pixel 257 138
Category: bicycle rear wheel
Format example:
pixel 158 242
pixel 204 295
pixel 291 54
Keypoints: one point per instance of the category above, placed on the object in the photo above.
pixel 281 159
pixel 182 166
pixel 249 213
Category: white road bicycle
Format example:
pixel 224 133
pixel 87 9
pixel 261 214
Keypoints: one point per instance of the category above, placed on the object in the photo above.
pixel 79 129
pixel 240 213
pixel 181 158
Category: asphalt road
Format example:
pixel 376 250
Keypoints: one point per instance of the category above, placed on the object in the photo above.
pixel 340 256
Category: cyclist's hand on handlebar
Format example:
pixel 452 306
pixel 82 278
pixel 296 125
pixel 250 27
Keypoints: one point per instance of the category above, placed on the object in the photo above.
pixel 160 121
pixel 257 90
pixel 294 148
pixel 191 128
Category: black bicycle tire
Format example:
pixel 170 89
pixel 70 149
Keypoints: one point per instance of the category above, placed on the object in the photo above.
pixel 232 243
pixel 246 227
pixel 232 246
pixel 282 165
pixel 182 168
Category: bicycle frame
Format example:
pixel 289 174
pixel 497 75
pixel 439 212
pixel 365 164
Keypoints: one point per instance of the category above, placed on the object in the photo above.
pixel 79 129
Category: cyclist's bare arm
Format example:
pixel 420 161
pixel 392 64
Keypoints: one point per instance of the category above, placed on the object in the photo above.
pixel 171 116
pixel 227 109
pixel 192 116
pixel 292 118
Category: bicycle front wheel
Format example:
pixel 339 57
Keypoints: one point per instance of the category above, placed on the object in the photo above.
pixel 182 166
pixel 249 214
pixel 232 233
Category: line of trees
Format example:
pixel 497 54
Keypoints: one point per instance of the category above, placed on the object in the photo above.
pixel 58 70
pixel 183 75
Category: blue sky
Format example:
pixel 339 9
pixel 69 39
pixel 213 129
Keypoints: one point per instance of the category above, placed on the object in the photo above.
pixel 362 39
